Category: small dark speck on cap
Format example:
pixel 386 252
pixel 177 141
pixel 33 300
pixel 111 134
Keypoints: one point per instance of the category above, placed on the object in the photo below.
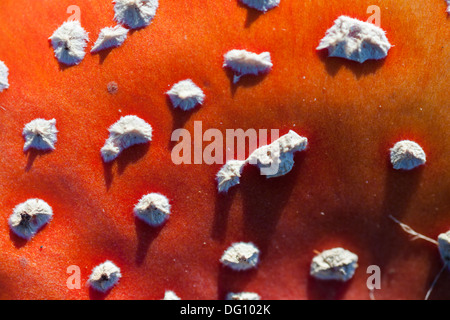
pixel 113 87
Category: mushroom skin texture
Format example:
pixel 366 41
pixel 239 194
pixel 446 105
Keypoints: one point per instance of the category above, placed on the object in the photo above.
pixel 339 193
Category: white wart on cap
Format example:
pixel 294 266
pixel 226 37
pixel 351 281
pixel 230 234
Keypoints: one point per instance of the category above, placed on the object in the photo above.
pixel 4 72
pixel 355 40
pixel 229 175
pixel 277 158
pixel 153 208
pixel 243 62
pixel 69 42
pixel 40 134
pixel 170 295
pixel 261 5
pixel 28 217
pixel 130 130
pixel 444 247
pixel 334 264
pixel 243 296
pixel 135 13
pixel 104 276
pixel 110 37
pixel 407 155
pixel 185 95
pixel 241 256
pixel 126 132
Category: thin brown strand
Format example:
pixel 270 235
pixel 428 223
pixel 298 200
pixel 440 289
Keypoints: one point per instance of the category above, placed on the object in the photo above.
pixel 410 231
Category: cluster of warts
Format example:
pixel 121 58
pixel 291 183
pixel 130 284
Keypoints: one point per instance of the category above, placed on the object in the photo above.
pixel 273 160
pixel 69 41
pixel 405 155
pixel 348 38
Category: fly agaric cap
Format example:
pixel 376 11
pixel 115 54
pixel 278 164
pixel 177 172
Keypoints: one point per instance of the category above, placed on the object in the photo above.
pixel 322 92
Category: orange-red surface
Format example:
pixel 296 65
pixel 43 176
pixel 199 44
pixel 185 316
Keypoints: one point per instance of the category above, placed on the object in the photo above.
pixel 339 193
